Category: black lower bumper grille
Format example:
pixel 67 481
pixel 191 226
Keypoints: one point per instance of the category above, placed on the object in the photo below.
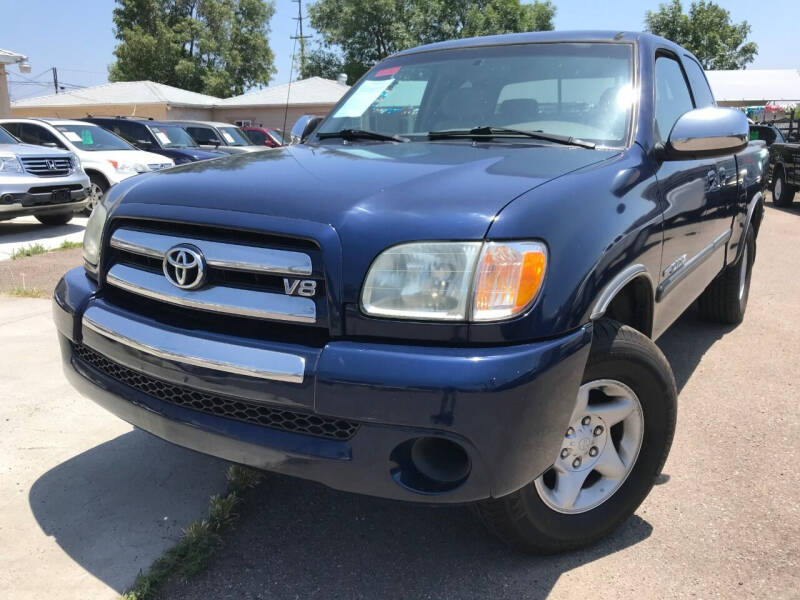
pixel 221 406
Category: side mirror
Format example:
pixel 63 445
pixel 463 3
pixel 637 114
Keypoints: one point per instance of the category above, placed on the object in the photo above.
pixel 707 132
pixel 304 127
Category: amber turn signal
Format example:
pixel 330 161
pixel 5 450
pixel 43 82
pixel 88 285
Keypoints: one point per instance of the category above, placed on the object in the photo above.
pixel 509 277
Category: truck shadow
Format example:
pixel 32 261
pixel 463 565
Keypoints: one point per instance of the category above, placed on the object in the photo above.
pixel 106 509
pixel 116 507
pixel 26 231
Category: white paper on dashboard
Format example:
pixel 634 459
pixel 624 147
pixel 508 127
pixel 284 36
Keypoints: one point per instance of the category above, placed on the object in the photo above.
pixel 228 137
pixel 163 137
pixel 72 136
pixel 367 93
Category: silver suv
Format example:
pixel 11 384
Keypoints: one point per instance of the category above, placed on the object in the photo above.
pixel 44 182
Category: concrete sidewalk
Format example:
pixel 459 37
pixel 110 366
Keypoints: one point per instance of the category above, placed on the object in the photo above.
pixel 25 231
pixel 85 501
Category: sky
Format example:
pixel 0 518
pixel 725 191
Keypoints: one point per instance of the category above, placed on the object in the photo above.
pixel 76 36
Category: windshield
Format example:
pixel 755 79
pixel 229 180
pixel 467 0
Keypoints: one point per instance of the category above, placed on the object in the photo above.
pixel 7 138
pixel 582 90
pixel 172 136
pixel 234 136
pixel 92 138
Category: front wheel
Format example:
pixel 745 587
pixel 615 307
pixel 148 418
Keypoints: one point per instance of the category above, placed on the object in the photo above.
pixel 55 219
pixel 97 188
pixel 615 445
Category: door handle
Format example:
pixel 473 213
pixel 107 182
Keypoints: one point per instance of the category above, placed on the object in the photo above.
pixel 711 179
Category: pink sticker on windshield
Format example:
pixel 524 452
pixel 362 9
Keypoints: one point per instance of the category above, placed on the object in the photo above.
pixel 387 72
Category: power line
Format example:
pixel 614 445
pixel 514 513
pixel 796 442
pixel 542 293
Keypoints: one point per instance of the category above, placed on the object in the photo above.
pixel 302 38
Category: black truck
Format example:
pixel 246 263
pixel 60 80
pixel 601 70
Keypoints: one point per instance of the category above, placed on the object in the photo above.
pixel 784 172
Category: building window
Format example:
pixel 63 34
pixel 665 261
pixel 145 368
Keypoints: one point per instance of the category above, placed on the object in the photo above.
pixel 245 123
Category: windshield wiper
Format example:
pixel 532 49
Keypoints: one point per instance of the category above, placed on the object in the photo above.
pixel 354 134
pixel 491 132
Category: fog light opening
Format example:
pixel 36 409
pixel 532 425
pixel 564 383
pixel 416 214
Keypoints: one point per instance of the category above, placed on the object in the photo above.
pixel 430 465
pixel 440 459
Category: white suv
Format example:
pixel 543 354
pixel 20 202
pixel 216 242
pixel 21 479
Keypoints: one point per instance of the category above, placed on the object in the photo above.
pixel 106 157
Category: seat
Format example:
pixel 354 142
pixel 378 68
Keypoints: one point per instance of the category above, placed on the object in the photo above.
pixel 517 110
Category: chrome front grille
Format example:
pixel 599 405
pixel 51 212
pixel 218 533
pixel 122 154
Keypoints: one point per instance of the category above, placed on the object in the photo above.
pixel 47 166
pixel 239 280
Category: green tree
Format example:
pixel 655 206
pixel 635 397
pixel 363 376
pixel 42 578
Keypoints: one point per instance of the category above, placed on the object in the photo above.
pixel 706 31
pixel 217 47
pixel 356 34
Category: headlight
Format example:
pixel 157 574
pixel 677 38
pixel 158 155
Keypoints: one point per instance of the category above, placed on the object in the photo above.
pixel 93 236
pixel 76 161
pixel 10 164
pixel 123 167
pixel 455 281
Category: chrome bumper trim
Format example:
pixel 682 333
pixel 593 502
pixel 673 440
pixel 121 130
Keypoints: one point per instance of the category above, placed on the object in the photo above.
pixel 227 300
pixel 217 254
pixel 191 350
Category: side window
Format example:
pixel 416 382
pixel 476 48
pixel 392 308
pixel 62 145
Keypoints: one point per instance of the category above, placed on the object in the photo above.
pixel 203 135
pixel 702 93
pixel 121 129
pixel 257 137
pixel 35 134
pixel 13 129
pixel 672 95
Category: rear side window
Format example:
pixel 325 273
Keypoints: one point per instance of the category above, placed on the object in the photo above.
pixel 702 93
pixel 257 137
pixel 203 135
pixel 672 95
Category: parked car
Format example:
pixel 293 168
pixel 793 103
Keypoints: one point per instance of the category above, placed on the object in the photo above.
pixel 220 136
pixel 767 133
pixel 162 137
pixel 106 158
pixel 784 172
pixel 44 182
pixel 449 293
pixel 265 136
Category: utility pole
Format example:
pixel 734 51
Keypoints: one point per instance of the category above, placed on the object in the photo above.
pixel 55 79
pixel 301 38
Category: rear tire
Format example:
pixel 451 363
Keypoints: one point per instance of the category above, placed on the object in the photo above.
pixel 782 192
pixel 55 219
pixel 725 298
pixel 533 519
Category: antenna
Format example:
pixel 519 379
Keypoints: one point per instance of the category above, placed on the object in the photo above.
pixel 299 18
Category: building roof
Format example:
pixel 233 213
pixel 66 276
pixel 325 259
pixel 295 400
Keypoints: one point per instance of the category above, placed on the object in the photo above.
pixel 314 90
pixel 121 92
pixel 8 57
pixel 756 86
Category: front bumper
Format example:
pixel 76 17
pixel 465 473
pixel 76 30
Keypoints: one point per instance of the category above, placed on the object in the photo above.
pixel 505 407
pixel 29 195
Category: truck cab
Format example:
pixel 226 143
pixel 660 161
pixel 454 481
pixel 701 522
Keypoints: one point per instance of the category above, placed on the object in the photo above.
pixel 450 290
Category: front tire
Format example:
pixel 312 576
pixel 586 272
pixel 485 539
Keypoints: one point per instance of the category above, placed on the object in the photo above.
pixel 617 442
pixel 782 192
pixel 55 219
pixel 97 188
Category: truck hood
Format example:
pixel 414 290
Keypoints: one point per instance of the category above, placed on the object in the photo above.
pixel 395 192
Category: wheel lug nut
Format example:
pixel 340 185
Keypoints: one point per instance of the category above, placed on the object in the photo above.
pixel 586 420
pixel 598 430
pixel 564 452
pixel 576 463
pixel 570 432
pixel 593 451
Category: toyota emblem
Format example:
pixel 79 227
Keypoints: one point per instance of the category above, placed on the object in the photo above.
pixel 185 267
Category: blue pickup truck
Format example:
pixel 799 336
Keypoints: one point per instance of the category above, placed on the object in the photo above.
pixel 447 293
